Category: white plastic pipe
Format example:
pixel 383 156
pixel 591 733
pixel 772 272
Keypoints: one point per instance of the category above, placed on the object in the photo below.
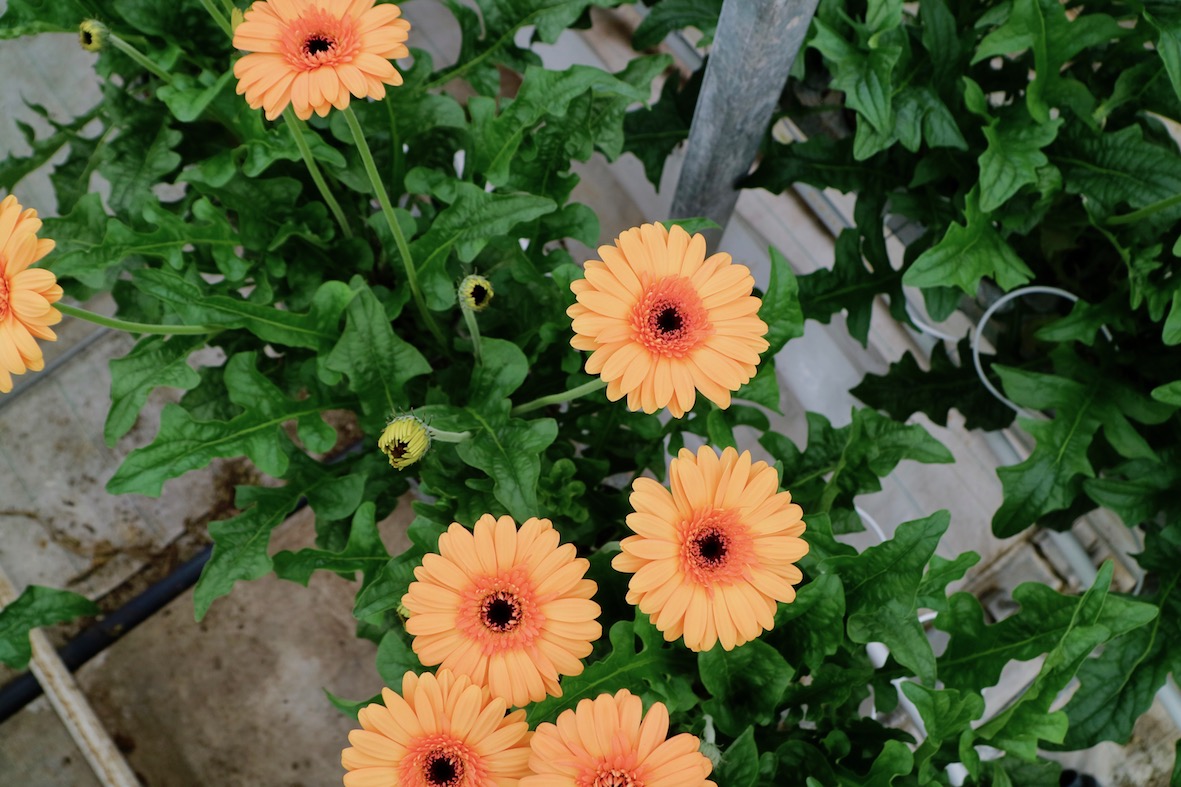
pixel 105 759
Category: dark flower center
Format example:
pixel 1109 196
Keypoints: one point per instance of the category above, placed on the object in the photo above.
pixel 479 293
pixel 501 611
pixel 87 38
pixel 397 450
pixel 317 44
pixel 711 547
pixel 669 320
pixel 443 769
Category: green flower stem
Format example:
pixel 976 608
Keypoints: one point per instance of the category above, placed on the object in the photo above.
pixel 558 398
pixel 296 128
pixel 388 211
pixel 1136 215
pixel 443 436
pixel 473 328
pixel 133 327
pixel 138 57
pixel 218 17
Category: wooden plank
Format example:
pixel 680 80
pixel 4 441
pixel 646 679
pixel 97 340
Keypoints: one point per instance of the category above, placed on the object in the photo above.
pixel 755 45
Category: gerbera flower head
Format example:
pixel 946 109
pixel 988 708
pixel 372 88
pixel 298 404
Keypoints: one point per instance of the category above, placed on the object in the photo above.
pixel 663 322
pixel 611 742
pixel 315 54
pixel 714 555
pixel 442 731
pixel 92 34
pixel 475 292
pixel 508 607
pixel 404 441
pixel 27 294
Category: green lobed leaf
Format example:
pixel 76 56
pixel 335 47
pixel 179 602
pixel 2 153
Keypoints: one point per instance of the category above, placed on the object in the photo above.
pixel 35 607
pixel 967 253
pixel 1020 727
pixel 395 658
pixel 881 586
pixel 316 329
pixel 740 761
pixel 652 669
pixel 1120 684
pixel 185 444
pixel 781 305
pixel 746 684
pixel 1052 476
pixel 946 713
pixel 906 389
pixel 156 361
pixel 819 607
pixel 1120 168
pixel 133 169
pixel 976 653
pixel 510 456
pixel 865 75
pixel 849 286
pixel 377 362
pixel 364 552
pixel 30 17
pixel 1012 158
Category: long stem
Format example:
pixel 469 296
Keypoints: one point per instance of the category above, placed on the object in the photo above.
pixel 558 398
pixel 1136 215
pixel 133 327
pixel 443 436
pixel 218 16
pixel 392 220
pixel 473 328
pixel 296 128
pixel 138 57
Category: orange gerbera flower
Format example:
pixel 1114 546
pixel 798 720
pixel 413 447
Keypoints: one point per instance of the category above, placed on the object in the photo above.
pixel 313 54
pixel 712 558
pixel 609 742
pixel 441 732
pixel 664 322
pixel 27 294
pixel 507 607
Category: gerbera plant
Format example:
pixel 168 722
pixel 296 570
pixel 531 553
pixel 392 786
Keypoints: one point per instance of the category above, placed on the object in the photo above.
pixel 607 535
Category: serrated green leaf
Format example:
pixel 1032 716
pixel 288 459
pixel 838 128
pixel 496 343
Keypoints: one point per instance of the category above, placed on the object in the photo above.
pixel 364 552
pixel 35 607
pixel 1013 157
pixel 240 543
pixel 932 592
pixel 849 286
pixel 895 760
pixel 1052 476
pixel 866 77
pixel 977 653
pixel 781 308
pixel 652 669
pixel 946 713
pixel 13 169
pixel 819 607
pixel 395 658
pixel 1120 168
pixel 510 456
pixel 745 684
pixel 906 389
pixel 155 362
pixel 317 329
pixel 188 97
pixel 377 362
pixel 467 225
pixel 1020 727
pixel 133 168
pixel 967 253
pixel 881 586
pixel 740 761
pixel 185 444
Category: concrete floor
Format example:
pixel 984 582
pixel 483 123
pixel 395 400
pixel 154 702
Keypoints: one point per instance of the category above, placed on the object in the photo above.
pixel 237 700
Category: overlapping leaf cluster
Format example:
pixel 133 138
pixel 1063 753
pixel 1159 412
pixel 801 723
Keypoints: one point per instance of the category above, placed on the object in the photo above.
pixel 212 219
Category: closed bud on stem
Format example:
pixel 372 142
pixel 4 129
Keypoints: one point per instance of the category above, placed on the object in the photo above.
pixel 475 293
pixel 404 441
pixel 92 34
